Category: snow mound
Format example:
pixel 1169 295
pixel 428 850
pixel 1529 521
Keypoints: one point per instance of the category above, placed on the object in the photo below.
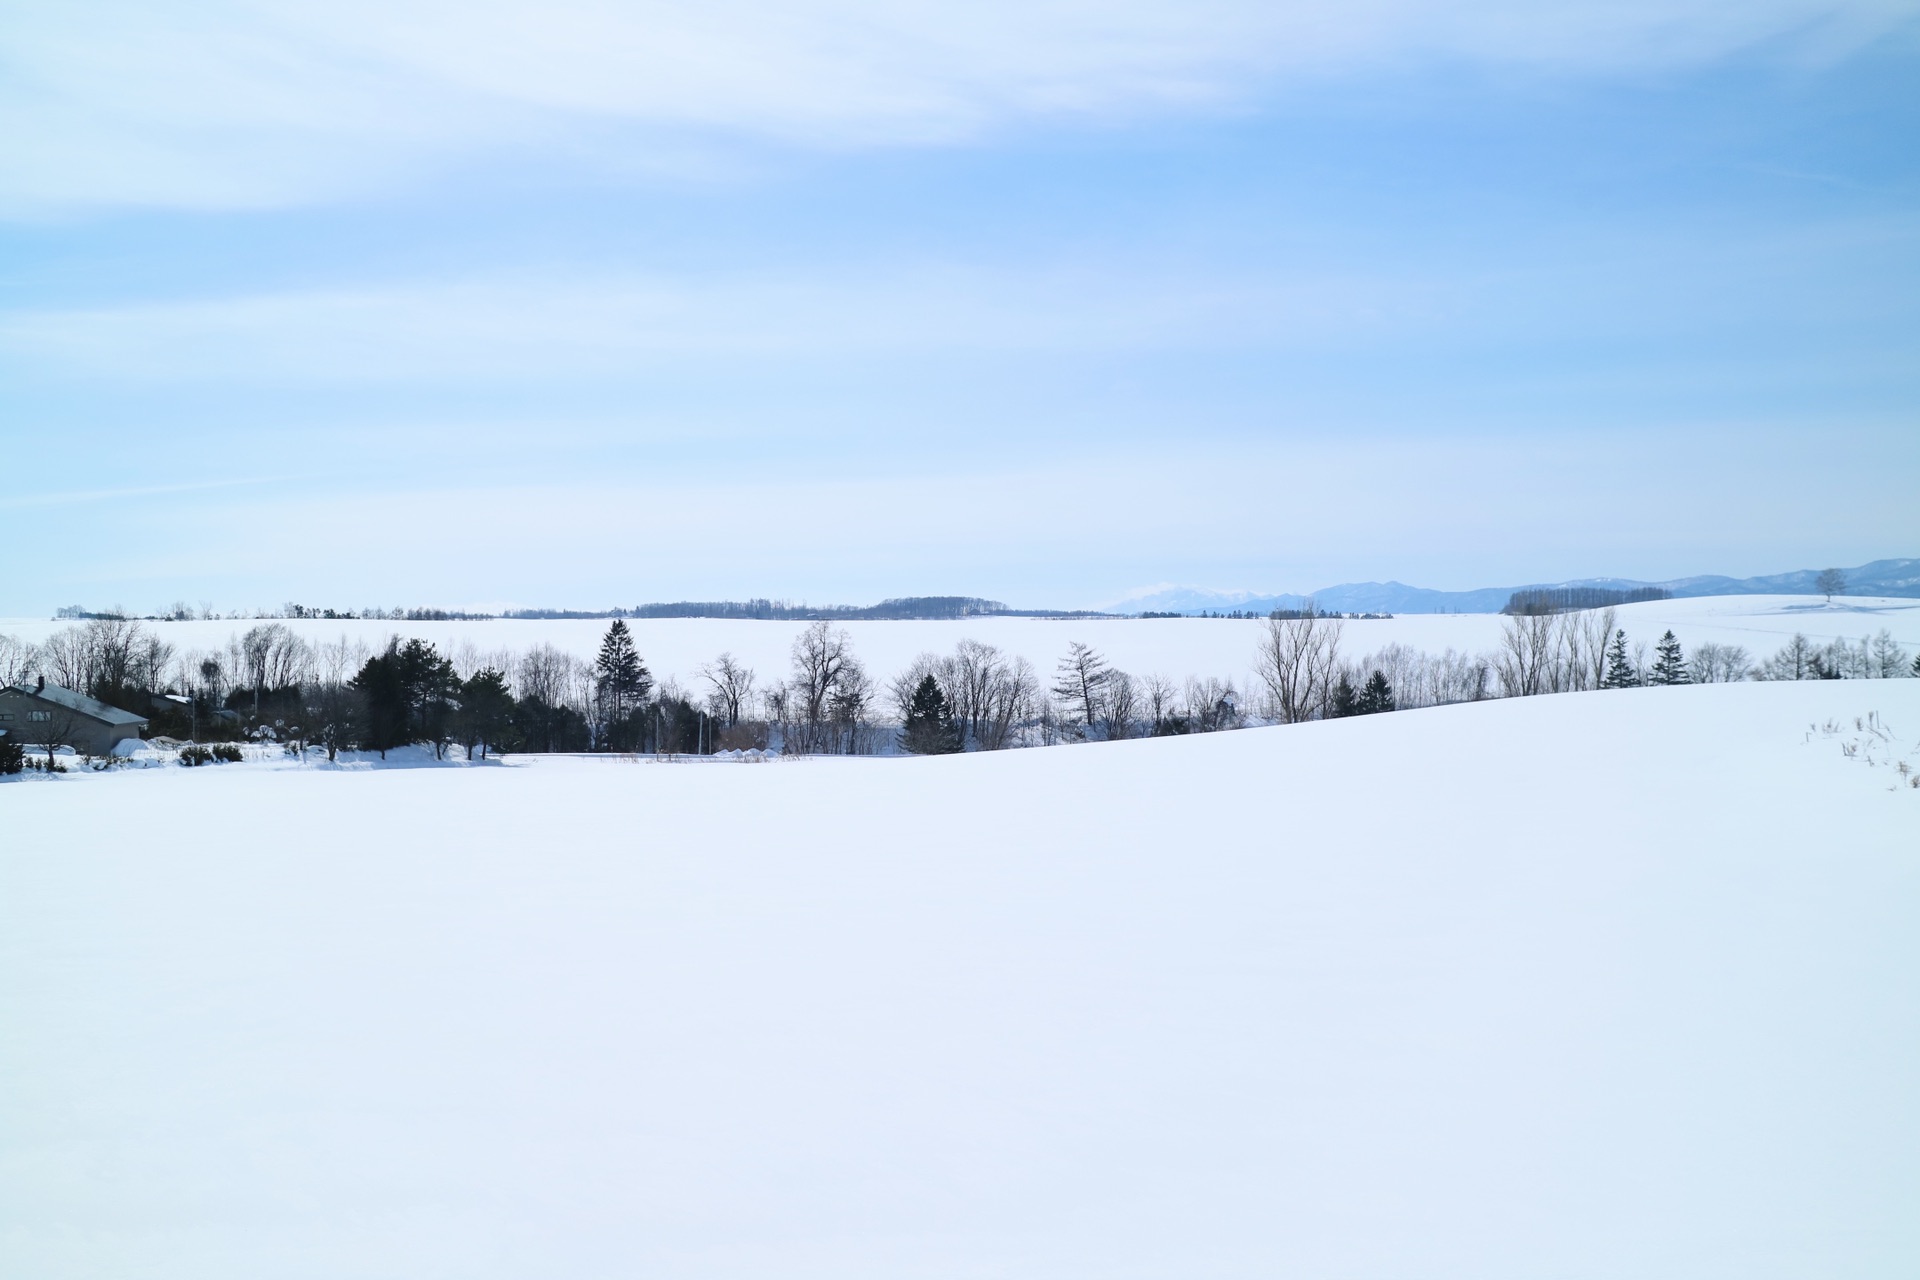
pixel 1616 984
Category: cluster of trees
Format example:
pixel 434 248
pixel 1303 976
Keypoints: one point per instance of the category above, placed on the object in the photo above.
pixel 110 658
pixel 1878 657
pixel 1531 600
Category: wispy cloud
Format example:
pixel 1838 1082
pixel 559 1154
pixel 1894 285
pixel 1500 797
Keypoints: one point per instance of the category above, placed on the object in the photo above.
pixel 544 327
pixel 260 102
pixel 75 497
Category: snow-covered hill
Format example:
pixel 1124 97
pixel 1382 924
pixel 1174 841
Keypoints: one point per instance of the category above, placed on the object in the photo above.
pixel 1617 984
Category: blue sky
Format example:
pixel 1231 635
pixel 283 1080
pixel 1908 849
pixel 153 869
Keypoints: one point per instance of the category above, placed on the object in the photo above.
pixel 589 303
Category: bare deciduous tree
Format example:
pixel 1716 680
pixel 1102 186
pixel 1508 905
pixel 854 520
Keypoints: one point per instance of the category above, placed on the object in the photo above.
pixel 820 657
pixel 849 705
pixel 1298 660
pixel 111 643
pixel 1212 705
pixel 1159 702
pixel 1529 645
pixel 732 686
pixel 50 727
pixel 18 660
pixel 1121 709
pixel 153 660
pixel 1831 583
pixel 66 660
pixel 1011 700
pixel 1719 663
pixel 1584 637
pixel 273 656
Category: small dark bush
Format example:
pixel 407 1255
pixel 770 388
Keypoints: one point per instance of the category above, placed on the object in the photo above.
pixel 193 754
pixel 227 753
pixel 13 756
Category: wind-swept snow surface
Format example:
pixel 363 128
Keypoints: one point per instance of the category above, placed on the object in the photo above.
pixel 1598 985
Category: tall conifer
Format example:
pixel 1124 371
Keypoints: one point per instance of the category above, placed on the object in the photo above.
pixel 1376 695
pixel 1670 665
pixel 1620 673
pixel 1345 701
pixel 930 730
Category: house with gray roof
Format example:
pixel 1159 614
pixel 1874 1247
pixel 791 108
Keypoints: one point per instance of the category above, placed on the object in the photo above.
pixel 32 716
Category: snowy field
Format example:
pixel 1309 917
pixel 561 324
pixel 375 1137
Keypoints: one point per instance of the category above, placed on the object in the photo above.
pixel 1596 985
pixel 1174 647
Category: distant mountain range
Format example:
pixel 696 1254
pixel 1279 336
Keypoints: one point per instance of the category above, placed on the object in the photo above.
pixel 1880 578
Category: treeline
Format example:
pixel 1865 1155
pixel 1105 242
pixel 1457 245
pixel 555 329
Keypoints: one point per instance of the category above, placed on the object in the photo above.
pixel 1256 615
pixel 905 608
pixel 1538 600
pixel 1304 677
pixel 180 611
pixel 902 609
pixel 271 684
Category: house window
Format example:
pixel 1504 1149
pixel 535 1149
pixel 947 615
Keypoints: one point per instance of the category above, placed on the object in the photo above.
pixel 6 715
pixel 39 717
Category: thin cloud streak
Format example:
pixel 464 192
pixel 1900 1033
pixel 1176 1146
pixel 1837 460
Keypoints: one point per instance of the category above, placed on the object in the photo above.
pixel 78 497
pixel 258 103
pixel 541 328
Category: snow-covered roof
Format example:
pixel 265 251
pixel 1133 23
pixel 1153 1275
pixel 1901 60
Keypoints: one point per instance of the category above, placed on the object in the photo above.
pixel 79 702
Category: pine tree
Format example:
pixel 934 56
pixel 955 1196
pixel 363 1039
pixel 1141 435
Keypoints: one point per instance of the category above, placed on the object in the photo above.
pixel 621 678
pixel 430 688
pixel 1345 701
pixel 486 710
pixel 1670 666
pixel 1377 696
pixel 1620 673
pixel 930 730
pixel 13 756
pixel 1916 665
pixel 385 723
pixel 409 694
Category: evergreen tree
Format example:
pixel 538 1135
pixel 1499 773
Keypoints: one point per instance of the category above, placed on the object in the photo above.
pixel 1916 665
pixel 486 710
pixel 621 678
pixel 409 693
pixel 385 723
pixel 1345 701
pixel 430 688
pixel 1377 695
pixel 929 729
pixel 1620 673
pixel 1670 665
pixel 13 756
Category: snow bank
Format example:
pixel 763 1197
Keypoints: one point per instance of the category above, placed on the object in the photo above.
pixel 1593 985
